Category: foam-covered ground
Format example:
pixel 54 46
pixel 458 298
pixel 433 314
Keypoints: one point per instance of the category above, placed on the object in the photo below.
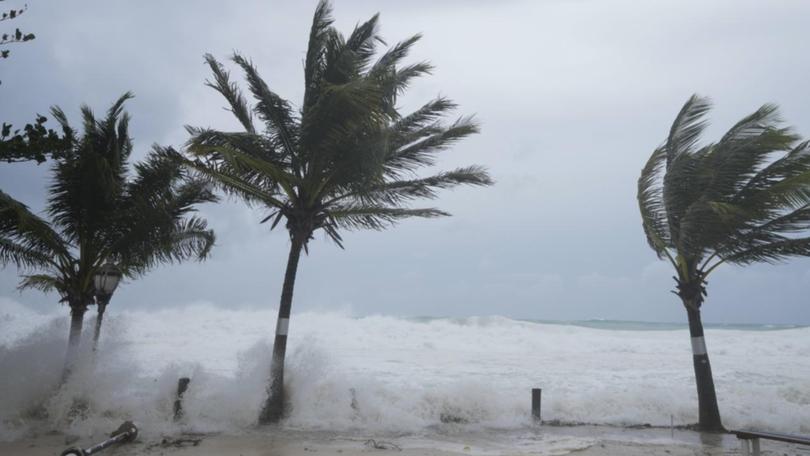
pixel 388 374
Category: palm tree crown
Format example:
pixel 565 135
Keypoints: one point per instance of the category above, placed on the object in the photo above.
pixel 743 199
pixel 347 159
pixel 99 215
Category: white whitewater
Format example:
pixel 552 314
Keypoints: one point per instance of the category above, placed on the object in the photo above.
pixel 390 374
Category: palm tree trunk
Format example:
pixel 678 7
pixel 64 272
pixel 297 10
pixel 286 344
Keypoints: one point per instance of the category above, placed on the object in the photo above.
pixel 274 405
pixel 76 322
pixel 101 307
pixel 709 413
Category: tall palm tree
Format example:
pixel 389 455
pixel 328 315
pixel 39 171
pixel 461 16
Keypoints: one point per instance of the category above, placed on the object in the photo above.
pixel 741 200
pixel 346 160
pixel 100 215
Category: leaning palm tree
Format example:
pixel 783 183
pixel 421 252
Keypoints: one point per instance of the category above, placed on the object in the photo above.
pixel 346 160
pixel 99 216
pixel 742 200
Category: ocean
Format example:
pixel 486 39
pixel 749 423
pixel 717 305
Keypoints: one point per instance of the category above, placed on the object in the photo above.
pixel 390 375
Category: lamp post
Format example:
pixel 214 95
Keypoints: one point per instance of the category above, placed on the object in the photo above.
pixel 105 282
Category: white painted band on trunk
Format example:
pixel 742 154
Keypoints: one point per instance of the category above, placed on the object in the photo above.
pixel 282 326
pixel 698 346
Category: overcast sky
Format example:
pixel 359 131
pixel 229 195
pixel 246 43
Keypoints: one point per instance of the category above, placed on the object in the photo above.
pixel 572 95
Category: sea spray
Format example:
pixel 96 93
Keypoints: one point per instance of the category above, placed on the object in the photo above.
pixel 31 369
pixel 387 374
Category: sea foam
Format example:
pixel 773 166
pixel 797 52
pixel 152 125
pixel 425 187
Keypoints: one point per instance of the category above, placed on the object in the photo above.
pixel 387 374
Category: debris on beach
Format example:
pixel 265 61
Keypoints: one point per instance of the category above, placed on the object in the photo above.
pixel 125 433
pixel 452 418
pixel 382 445
pixel 178 442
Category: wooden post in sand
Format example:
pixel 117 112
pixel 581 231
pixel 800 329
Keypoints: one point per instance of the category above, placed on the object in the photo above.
pixel 536 395
pixel 182 386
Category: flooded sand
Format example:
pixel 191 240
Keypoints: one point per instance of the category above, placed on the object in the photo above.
pixel 542 440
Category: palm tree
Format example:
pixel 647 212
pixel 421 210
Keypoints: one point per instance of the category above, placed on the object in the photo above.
pixel 741 200
pixel 99 215
pixel 346 160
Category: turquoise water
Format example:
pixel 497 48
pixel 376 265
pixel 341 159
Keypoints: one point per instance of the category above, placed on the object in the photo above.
pixel 629 325
pixel 648 326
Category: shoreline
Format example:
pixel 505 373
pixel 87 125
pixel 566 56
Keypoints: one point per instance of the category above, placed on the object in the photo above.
pixel 587 440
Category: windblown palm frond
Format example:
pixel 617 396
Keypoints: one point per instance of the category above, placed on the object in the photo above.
pixel 222 84
pixel 651 204
pixel 155 222
pixel 26 239
pixel 87 181
pixel 99 215
pixel 741 200
pixel 43 282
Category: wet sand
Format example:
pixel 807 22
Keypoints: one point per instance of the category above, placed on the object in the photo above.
pixel 577 440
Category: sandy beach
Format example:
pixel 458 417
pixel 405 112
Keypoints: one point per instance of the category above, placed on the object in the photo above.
pixel 542 440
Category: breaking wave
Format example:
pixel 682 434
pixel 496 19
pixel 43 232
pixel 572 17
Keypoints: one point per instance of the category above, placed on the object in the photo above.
pixel 385 373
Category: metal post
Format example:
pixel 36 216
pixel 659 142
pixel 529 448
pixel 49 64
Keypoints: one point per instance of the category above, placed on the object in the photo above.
pixel 536 400
pixel 755 446
pixel 182 386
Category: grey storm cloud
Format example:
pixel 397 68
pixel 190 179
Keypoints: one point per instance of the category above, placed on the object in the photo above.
pixel 572 95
